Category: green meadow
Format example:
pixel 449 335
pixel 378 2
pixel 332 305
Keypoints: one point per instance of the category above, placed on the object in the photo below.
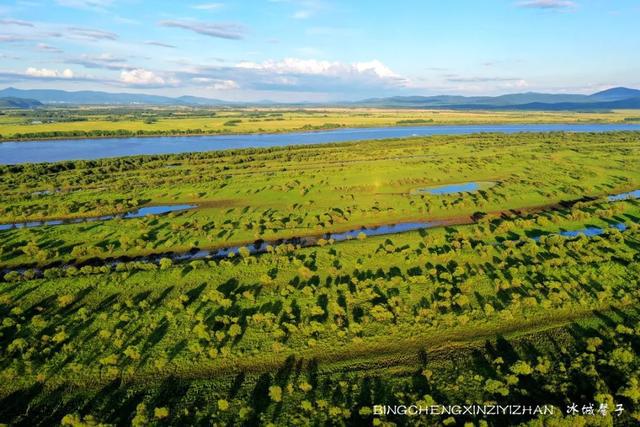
pixel 278 193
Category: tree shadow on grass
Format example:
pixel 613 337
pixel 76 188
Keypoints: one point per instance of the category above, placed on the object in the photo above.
pixel 176 349
pixel 260 399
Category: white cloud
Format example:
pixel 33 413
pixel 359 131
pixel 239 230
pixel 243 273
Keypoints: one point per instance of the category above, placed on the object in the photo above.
pixel 224 85
pixel 375 66
pixel 202 80
pixel 92 34
pixel 48 73
pixel 207 6
pixel 141 77
pixel 219 30
pixel 520 84
pixel 300 75
pixel 216 84
pixel 146 78
pixel 322 68
pixel 548 4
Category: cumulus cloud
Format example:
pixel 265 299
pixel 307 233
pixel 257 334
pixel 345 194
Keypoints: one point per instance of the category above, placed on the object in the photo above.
pixel 316 67
pixel 217 84
pixel 300 75
pixel 219 30
pixel 548 4
pixel 142 77
pixel 52 74
pixel 225 85
pixel 49 73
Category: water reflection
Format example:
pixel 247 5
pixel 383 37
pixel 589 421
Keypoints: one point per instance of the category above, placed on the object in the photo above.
pixel 625 196
pixel 139 213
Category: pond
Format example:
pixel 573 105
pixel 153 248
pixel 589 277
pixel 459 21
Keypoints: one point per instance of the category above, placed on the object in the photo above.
pixel 587 231
pixel 88 149
pixel 625 196
pixel 443 190
pixel 139 213
pixel 591 231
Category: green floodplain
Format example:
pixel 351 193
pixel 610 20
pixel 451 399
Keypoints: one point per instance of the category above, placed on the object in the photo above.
pixel 112 121
pixel 102 325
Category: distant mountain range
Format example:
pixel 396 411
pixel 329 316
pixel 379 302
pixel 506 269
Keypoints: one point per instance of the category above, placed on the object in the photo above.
pixel 11 102
pixel 615 98
pixel 86 97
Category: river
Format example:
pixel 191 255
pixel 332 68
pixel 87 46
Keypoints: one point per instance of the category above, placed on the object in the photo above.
pixel 16 152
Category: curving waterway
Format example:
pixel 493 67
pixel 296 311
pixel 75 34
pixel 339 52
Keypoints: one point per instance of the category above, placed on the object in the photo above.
pixel 262 246
pixel 138 213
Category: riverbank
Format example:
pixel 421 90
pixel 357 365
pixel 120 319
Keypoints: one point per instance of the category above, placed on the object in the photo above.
pixel 91 149
pixel 71 123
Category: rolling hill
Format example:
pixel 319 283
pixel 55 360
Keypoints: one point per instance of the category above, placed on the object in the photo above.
pixel 13 102
pixel 614 98
pixel 616 94
pixel 53 96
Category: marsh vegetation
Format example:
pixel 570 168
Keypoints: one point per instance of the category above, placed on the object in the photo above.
pixel 503 301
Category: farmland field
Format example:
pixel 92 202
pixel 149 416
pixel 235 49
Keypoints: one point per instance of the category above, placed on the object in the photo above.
pixel 521 288
pixel 113 121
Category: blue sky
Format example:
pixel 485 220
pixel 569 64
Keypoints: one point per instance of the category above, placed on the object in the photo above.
pixel 320 50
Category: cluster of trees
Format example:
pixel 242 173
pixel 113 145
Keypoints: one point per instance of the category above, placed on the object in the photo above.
pixel 593 369
pixel 414 121
pixel 101 133
pixel 126 323
pixel 40 209
pixel 329 295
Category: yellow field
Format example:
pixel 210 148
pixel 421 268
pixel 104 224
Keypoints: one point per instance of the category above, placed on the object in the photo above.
pixel 283 120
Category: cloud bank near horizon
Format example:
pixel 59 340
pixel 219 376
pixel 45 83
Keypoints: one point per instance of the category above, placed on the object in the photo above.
pixel 310 49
